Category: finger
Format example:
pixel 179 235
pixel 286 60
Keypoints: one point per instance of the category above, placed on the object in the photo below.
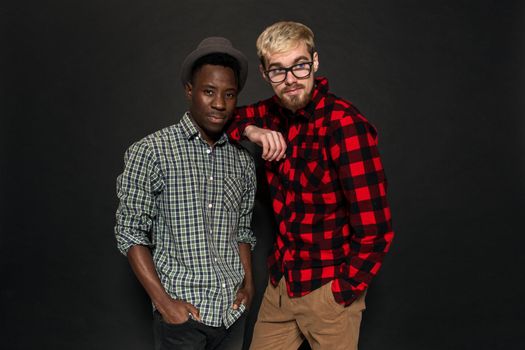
pixel 194 312
pixel 282 142
pixel 275 146
pixel 280 146
pixel 265 146
pixel 271 146
pixel 268 146
pixel 237 302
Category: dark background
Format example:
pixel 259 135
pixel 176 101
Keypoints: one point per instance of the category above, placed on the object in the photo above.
pixel 443 81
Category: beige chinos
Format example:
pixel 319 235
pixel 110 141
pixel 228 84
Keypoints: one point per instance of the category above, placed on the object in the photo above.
pixel 284 322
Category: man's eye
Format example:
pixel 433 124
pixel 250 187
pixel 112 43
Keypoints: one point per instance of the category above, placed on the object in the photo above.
pixel 300 66
pixel 208 92
pixel 230 95
pixel 277 71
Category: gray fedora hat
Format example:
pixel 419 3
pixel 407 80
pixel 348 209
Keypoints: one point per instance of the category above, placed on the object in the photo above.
pixel 214 45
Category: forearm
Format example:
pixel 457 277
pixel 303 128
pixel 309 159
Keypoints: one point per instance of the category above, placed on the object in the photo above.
pixel 240 120
pixel 142 265
pixel 372 233
pixel 245 254
pixel 246 291
pixel 362 179
pixel 371 245
pixel 137 188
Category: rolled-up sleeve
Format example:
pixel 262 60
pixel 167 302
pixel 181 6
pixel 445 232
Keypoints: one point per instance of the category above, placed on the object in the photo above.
pixel 137 189
pixel 245 233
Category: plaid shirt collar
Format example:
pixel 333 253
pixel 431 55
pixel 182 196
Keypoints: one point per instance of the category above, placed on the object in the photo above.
pixel 189 130
pixel 320 89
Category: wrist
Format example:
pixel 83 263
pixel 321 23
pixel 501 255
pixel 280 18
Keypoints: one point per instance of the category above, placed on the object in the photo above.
pixel 247 130
pixel 161 303
pixel 248 282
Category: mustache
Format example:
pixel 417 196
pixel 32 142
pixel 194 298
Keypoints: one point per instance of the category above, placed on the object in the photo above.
pixel 293 87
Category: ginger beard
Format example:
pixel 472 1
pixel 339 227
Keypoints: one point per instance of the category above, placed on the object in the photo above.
pixel 295 97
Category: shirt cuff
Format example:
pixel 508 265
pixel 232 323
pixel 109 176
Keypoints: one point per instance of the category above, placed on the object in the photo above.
pixel 248 238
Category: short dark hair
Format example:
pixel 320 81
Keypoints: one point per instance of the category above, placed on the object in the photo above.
pixel 217 59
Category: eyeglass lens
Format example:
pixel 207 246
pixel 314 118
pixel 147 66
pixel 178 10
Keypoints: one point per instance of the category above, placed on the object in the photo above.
pixel 300 71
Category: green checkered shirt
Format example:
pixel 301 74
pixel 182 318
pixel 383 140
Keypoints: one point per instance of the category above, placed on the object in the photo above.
pixel 192 205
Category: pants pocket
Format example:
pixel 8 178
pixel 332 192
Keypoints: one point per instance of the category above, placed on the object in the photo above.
pixel 329 298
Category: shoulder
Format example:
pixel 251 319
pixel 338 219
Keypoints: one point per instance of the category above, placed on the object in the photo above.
pixel 344 114
pixel 160 137
pixel 154 143
pixel 167 134
pixel 257 109
pixel 241 151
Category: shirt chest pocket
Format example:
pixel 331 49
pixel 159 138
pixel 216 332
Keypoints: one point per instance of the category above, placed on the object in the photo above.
pixel 232 193
pixel 311 171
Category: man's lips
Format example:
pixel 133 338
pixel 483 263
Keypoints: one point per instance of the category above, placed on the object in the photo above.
pixel 217 118
pixel 293 90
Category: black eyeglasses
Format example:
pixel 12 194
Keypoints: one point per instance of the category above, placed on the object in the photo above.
pixel 300 71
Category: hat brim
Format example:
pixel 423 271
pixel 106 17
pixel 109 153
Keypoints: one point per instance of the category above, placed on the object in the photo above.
pixel 190 60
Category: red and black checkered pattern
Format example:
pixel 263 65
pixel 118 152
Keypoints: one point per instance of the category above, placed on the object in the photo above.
pixel 329 195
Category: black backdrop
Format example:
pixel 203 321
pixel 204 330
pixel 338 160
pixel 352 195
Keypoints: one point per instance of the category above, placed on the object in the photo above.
pixel 443 81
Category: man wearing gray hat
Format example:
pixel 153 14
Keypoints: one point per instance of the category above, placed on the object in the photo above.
pixel 186 198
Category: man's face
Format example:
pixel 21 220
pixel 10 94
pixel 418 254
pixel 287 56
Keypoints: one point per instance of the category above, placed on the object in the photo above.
pixel 213 97
pixel 293 92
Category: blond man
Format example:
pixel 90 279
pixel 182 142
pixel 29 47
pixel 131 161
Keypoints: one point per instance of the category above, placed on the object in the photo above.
pixel 328 192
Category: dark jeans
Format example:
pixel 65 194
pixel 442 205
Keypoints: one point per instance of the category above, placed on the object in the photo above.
pixel 190 335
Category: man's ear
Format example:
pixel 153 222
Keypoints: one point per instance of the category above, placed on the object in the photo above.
pixel 189 90
pixel 261 69
pixel 316 61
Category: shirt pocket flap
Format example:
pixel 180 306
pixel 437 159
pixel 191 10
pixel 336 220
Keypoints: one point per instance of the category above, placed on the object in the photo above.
pixel 232 194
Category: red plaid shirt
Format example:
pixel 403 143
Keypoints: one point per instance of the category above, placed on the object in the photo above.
pixel 328 194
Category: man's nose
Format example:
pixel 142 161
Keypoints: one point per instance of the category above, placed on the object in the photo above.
pixel 219 102
pixel 290 79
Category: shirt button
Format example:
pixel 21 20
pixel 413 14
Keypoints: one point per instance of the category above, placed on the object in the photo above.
pixel 208 151
pixel 210 205
pixel 211 232
pixel 224 285
pixel 211 178
pixel 215 259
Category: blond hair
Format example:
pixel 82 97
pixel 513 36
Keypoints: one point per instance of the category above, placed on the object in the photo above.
pixel 283 36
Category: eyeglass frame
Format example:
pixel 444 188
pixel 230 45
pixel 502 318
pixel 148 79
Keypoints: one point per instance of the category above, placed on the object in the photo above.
pixel 290 69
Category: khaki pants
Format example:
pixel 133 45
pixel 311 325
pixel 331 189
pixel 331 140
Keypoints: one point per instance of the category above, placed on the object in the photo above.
pixel 283 322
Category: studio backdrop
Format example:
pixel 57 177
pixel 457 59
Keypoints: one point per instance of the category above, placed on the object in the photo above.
pixel 442 81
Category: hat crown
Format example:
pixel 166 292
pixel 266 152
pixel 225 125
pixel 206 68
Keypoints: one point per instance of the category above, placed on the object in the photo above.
pixel 214 44
pixel 214 41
